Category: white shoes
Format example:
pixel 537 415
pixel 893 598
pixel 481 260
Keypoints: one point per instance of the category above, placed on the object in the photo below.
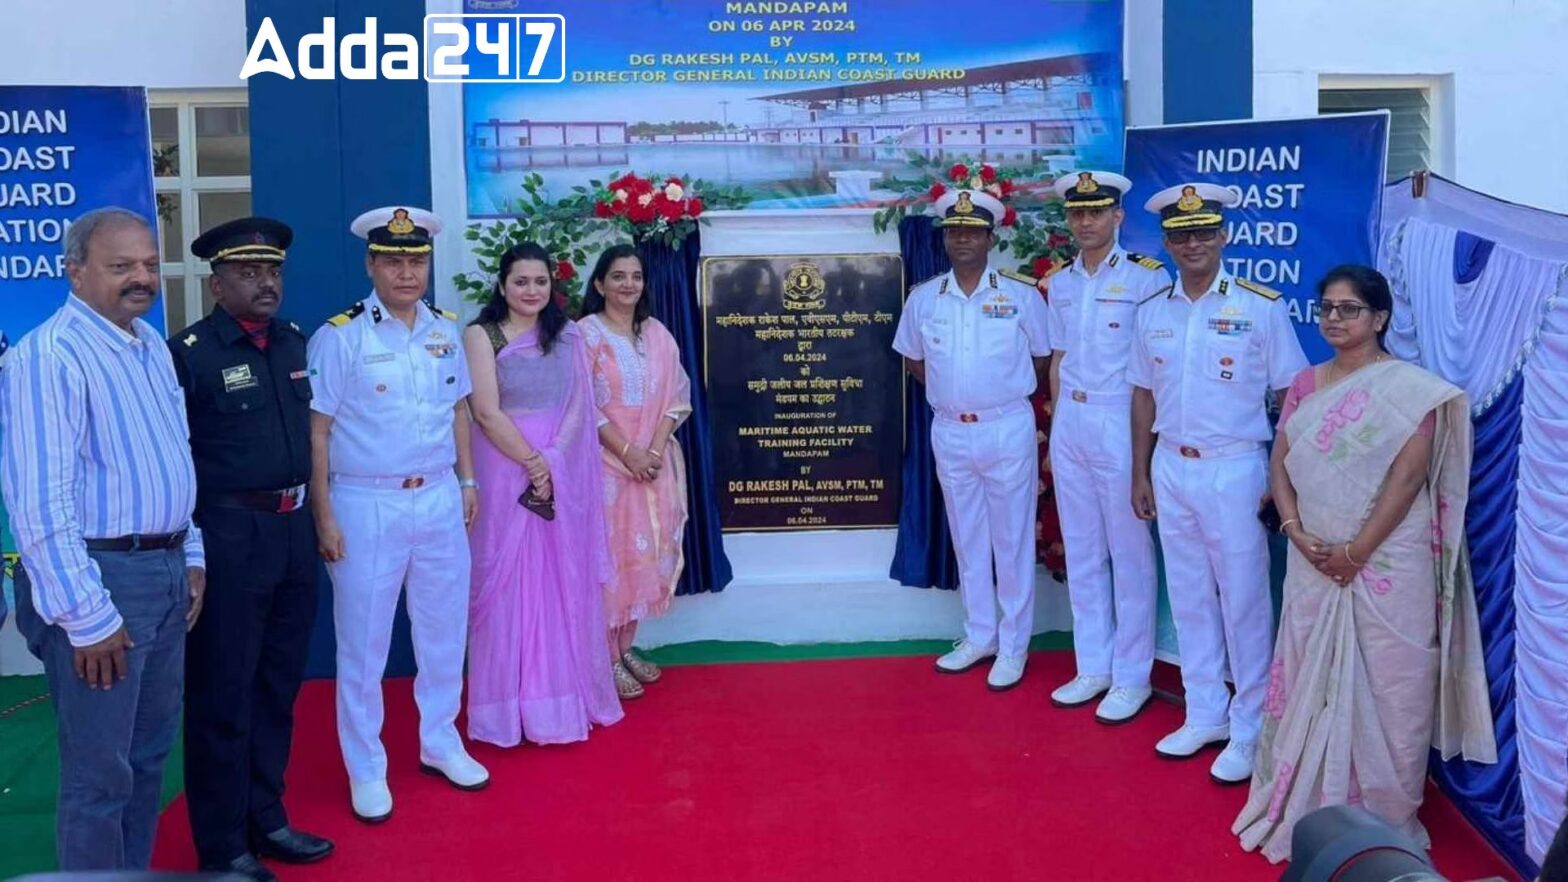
pixel 1234 765
pixel 459 769
pixel 372 800
pixel 1082 690
pixel 1188 740
pixel 964 656
pixel 1006 672
pixel 1122 704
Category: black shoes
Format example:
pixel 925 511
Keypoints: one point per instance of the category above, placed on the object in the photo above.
pixel 292 846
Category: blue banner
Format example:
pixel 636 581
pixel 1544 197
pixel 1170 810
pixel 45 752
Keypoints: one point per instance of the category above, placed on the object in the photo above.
pixel 1311 193
pixel 64 150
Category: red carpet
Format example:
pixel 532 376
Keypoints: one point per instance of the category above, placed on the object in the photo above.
pixel 875 769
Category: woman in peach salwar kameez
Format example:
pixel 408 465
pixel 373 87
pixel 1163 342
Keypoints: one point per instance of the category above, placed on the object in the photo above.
pixel 643 396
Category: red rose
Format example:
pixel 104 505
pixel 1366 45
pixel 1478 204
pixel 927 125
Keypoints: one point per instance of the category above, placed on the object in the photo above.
pixel 671 211
pixel 601 209
pixel 1010 217
pixel 694 207
pixel 1008 187
pixel 624 182
pixel 676 181
pixel 638 213
pixel 1057 240
pixel 937 189
pixel 1041 266
pixel 564 270
pixel 958 172
pixel 987 173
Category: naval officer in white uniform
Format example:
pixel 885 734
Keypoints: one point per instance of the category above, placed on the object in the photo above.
pixel 1111 578
pixel 392 482
pixel 976 337
pixel 1209 353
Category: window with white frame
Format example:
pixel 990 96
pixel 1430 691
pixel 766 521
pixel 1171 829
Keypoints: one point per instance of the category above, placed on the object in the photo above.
pixel 1414 142
pixel 201 168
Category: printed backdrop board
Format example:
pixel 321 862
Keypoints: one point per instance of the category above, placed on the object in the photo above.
pixel 806 105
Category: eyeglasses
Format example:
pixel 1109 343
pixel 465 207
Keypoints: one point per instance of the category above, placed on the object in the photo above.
pixel 1181 237
pixel 1347 310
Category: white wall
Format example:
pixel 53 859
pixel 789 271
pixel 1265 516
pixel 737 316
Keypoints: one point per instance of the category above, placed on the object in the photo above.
pixel 1501 69
pixel 160 44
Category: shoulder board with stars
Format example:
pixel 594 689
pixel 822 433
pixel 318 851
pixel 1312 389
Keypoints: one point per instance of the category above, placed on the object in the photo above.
pixel 346 315
pixel 1021 277
pixel 1163 291
pixel 1145 261
pixel 1260 290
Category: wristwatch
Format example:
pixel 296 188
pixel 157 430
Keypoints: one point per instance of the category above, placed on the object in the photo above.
pixel 466 483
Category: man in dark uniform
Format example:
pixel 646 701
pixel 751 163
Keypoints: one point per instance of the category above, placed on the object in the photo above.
pixel 247 393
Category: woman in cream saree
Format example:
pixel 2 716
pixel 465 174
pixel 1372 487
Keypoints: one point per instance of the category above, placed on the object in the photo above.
pixel 1379 654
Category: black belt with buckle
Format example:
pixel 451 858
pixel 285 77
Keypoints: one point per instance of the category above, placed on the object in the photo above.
pixel 273 501
pixel 139 542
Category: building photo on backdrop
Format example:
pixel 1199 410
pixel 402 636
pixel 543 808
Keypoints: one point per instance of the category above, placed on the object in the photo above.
pixel 442 439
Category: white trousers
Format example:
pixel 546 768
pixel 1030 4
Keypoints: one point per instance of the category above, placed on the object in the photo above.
pixel 1111 577
pixel 393 537
pixel 1211 538
pixel 989 476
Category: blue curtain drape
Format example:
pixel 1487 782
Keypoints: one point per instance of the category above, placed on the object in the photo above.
pixel 923 556
pixel 1489 795
pixel 672 283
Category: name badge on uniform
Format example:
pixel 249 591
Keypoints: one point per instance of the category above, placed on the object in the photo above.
pixel 999 308
pixel 299 375
pixel 1229 327
pixel 239 377
pixel 1162 334
pixel 380 357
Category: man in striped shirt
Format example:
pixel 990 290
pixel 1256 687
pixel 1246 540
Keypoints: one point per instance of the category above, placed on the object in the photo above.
pixel 98 480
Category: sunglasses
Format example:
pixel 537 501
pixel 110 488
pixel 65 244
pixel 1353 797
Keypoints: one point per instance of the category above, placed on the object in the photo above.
pixel 1347 310
pixel 1182 237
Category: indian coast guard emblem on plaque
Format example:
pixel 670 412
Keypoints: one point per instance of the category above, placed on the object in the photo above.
pixel 804 287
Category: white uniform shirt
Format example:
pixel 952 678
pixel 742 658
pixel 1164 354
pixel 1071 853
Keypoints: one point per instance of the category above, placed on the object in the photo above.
pixel 389 390
pixel 1211 362
pixel 1092 318
pixel 978 349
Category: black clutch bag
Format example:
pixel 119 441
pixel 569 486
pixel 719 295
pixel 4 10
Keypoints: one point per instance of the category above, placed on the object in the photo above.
pixel 544 508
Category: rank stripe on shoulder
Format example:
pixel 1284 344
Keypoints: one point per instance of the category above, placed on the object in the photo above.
pixel 447 314
pixel 1021 277
pixel 1144 261
pixel 346 315
pixel 1260 290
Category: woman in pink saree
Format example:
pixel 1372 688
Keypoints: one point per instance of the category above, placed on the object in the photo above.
pixel 643 396
pixel 1379 654
pixel 536 664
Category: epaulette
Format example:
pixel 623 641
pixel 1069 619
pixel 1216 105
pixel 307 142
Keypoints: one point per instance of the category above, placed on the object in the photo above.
pixel 1164 290
pixel 1260 290
pixel 1145 261
pixel 447 314
pixel 189 340
pixel 346 315
pixel 1031 281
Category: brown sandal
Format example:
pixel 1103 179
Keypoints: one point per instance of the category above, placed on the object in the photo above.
pixel 626 685
pixel 644 670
